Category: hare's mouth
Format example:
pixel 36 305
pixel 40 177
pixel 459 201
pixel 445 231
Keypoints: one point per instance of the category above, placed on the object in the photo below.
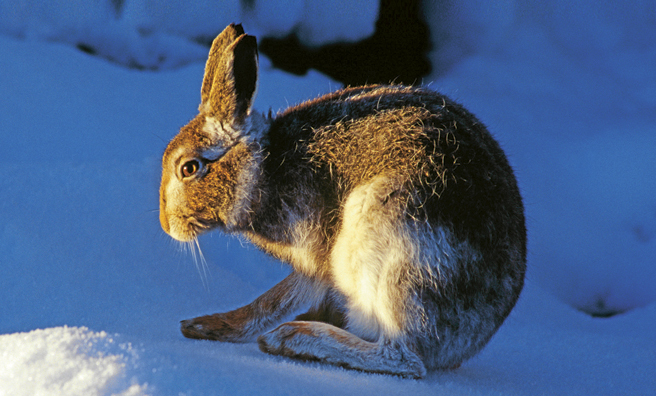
pixel 185 229
pixel 198 226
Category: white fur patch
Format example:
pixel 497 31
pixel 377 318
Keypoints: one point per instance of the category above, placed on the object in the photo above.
pixel 370 250
pixel 375 252
pixel 225 135
pixel 302 250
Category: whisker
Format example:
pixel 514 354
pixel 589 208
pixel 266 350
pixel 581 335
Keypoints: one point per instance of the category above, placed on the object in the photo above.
pixel 159 137
pixel 199 261
pixel 206 269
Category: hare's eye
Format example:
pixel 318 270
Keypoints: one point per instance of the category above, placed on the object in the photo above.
pixel 190 168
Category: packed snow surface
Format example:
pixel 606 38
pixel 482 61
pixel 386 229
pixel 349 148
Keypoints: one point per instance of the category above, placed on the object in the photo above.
pixel 93 290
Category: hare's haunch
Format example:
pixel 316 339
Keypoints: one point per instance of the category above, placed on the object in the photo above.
pixel 395 207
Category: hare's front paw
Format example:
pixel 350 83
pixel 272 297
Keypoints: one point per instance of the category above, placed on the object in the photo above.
pixel 217 327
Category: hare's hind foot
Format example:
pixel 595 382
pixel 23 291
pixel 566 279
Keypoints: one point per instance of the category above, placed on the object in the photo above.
pixel 326 343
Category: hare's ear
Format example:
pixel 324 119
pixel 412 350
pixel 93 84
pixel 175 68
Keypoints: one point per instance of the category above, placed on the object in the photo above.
pixel 226 38
pixel 234 82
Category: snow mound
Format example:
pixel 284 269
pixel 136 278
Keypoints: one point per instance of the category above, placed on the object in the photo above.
pixel 66 361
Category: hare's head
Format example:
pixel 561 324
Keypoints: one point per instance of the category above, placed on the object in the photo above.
pixel 210 169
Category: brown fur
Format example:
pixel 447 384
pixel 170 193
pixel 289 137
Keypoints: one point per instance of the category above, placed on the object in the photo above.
pixel 396 208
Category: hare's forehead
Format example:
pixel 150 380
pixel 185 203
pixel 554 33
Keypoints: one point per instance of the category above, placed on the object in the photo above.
pixel 199 137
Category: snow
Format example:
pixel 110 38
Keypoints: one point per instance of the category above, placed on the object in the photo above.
pixel 63 360
pixel 164 34
pixel 315 22
pixel 580 132
pixel 93 290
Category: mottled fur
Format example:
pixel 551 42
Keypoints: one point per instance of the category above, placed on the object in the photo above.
pixel 397 210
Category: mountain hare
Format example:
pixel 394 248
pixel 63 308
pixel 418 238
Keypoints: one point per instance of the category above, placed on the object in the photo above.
pixel 396 209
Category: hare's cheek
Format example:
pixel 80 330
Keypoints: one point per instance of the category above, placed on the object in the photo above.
pixel 219 185
pixel 200 199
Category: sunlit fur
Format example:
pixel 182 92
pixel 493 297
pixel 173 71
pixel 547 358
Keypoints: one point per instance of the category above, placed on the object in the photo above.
pixel 396 209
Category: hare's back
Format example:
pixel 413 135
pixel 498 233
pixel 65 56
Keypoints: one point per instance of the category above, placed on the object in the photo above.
pixel 451 168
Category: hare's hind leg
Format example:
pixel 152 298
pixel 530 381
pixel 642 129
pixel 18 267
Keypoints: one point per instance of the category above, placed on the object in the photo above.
pixel 370 263
pixel 330 344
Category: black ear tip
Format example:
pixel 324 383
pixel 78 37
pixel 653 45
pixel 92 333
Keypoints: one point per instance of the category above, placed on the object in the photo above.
pixel 233 30
pixel 250 41
pixel 245 46
pixel 238 28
